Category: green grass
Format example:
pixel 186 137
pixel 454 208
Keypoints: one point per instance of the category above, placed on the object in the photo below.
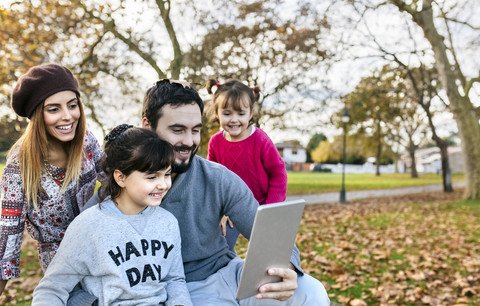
pixel 300 183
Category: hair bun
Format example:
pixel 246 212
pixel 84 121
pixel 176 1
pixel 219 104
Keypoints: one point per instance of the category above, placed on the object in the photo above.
pixel 117 131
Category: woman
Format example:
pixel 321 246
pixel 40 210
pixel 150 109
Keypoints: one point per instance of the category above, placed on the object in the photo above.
pixel 51 170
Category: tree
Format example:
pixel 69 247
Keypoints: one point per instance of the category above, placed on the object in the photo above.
pixel 423 88
pixel 323 152
pixel 359 148
pixel 421 85
pixel 440 34
pixel 445 36
pixel 27 39
pixel 112 45
pixel 313 143
pixel 373 106
pixel 457 85
pixel 259 44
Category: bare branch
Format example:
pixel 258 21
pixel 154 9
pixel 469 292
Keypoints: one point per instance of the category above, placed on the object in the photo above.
pixel 452 50
pixel 110 27
pixel 461 22
pixel 470 83
pixel 176 63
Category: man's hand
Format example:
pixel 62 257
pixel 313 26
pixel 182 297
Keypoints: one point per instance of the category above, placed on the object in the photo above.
pixel 281 291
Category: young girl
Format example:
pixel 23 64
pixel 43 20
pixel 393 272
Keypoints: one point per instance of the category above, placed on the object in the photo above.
pixel 126 250
pixel 243 148
pixel 51 170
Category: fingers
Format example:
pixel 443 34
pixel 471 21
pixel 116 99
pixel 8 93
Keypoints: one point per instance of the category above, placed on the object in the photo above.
pixel 281 291
pixel 223 224
pixel 230 222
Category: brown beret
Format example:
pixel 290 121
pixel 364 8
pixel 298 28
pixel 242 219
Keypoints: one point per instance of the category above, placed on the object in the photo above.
pixel 39 83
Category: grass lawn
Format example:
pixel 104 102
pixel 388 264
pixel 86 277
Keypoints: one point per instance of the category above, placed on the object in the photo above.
pixel 316 182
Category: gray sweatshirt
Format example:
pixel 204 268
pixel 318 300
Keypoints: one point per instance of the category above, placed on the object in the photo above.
pixel 121 259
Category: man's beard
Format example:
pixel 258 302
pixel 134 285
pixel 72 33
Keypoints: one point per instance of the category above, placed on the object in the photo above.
pixel 185 164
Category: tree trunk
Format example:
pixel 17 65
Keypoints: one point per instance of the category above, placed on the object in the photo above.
pixel 413 164
pixel 379 156
pixel 461 106
pixel 446 173
pixel 442 146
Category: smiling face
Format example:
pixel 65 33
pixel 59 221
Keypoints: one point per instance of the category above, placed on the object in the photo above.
pixel 142 189
pixel 61 113
pixel 235 122
pixel 180 126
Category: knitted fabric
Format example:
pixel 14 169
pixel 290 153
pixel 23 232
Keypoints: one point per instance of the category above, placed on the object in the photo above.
pixel 256 160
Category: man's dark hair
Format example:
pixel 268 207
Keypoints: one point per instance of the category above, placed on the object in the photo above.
pixel 163 93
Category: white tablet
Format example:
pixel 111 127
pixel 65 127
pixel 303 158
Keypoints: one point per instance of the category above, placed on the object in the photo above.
pixel 270 245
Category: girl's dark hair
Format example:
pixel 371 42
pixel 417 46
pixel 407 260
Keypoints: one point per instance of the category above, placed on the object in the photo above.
pixel 131 149
pixel 232 93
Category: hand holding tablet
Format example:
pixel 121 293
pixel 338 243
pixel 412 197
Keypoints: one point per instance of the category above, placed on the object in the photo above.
pixel 270 245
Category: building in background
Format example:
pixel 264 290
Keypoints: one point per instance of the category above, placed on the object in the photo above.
pixel 294 156
pixel 428 160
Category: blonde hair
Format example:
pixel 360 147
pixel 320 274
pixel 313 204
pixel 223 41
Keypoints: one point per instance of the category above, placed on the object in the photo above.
pixel 33 149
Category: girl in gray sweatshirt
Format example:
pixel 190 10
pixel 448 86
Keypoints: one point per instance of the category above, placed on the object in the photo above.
pixel 126 250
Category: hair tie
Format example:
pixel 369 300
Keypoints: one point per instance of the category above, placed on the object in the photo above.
pixel 218 84
pixel 253 89
pixel 117 131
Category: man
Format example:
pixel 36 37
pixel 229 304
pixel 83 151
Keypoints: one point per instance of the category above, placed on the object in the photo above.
pixel 202 192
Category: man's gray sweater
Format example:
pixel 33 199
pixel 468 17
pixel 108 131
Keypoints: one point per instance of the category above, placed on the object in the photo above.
pixel 198 199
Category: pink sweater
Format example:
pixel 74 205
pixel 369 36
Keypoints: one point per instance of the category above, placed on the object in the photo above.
pixel 256 160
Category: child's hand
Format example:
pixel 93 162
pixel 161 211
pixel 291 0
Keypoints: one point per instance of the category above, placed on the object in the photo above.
pixel 223 224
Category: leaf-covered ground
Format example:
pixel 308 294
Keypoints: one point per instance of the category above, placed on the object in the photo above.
pixel 415 249
pixel 406 250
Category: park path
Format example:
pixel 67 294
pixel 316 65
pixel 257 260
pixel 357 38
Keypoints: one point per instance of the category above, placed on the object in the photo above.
pixel 333 197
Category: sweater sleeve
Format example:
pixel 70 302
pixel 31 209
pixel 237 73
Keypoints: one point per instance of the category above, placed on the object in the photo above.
pixel 12 220
pixel 177 292
pixel 64 272
pixel 275 168
pixel 212 154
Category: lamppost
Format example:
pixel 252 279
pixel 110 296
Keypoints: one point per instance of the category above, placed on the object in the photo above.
pixel 345 119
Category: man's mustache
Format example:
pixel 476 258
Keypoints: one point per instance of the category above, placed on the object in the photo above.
pixel 185 148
